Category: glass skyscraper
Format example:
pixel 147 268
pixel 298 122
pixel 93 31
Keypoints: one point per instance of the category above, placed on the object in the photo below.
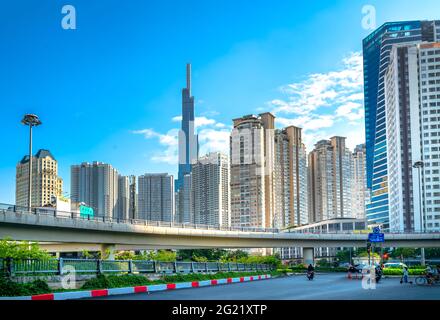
pixel 376 52
pixel 188 141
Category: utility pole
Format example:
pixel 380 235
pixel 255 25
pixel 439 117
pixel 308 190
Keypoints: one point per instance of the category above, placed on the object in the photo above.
pixel 419 165
pixel 30 120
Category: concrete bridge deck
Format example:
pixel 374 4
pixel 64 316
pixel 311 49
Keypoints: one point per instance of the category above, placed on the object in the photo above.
pixel 67 234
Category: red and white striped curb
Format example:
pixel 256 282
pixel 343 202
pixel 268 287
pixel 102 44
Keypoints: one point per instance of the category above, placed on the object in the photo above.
pixel 138 289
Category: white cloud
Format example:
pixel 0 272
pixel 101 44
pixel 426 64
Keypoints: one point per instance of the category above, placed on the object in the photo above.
pixel 169 141
pixel 198 121
pixel 213 136
pixel 323 89
pixel 212 140
pixel 350 110
pixel 325 104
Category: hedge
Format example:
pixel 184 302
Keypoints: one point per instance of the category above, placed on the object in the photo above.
pixel 9 288
pixel 118 281
pixel 399 272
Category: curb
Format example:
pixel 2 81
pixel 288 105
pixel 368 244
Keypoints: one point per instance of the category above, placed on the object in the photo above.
pixel 137 289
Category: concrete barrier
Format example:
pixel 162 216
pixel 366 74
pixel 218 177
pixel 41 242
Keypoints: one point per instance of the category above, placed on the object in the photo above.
pixel 137 289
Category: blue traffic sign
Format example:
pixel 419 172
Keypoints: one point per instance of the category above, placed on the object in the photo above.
pixel 376 230
pixel 376 237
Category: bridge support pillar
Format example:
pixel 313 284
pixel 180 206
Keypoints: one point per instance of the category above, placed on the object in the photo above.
pixel 107 251
pixel 308 256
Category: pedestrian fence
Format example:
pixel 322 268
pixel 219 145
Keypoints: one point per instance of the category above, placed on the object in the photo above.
pixel 32 267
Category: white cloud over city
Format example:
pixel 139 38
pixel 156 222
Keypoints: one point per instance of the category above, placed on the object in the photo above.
pixel 325 104
pixel 213 136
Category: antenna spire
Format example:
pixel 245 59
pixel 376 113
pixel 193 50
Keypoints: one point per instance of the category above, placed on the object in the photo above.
pixel 188 77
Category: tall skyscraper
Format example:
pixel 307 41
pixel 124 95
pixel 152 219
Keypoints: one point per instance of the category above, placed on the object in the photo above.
pixel 252 169
pixel 95 184
pixel 123 201
pixel 133 206
pixel 290 178
pixel 156 197
pixel 45 180
pixel 184 201
pixel 360 192
pixel 210 186
pixel 188 140
pixel 329 180
pixel 376 53
pixel 412 97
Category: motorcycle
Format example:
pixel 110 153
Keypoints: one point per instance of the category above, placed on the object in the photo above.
pixel 378 273
pixel 310 275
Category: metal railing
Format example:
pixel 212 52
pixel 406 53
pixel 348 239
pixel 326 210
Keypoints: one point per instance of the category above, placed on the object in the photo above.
pixel 30 267
pixel 75 215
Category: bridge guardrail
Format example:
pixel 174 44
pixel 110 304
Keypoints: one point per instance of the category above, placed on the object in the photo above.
pixel 49 211
pixel 29 267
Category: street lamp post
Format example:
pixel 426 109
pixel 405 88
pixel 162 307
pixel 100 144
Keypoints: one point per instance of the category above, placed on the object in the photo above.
pixel 419 165
pixel 30 120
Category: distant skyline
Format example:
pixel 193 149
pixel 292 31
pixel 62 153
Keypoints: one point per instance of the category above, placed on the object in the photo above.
pixel 110 91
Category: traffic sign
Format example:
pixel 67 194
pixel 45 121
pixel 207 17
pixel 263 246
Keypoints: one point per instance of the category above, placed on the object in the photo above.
pixel 376 237
pixel 376 230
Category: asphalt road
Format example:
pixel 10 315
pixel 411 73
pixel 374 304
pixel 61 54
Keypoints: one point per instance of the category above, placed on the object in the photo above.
pixel 323 287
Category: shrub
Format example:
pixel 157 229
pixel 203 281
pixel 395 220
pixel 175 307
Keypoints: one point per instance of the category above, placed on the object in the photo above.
pixel 115 281
pixel 100 282
pixel 9 288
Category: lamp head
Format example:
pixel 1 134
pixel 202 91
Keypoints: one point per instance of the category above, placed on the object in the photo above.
pixel 31 120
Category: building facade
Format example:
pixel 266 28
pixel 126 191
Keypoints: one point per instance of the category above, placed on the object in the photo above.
pixel 45 180
pixel 96 185
pixel 123 201
pixel 412 92
pixel 133 205
pixel 156 197
pixel 252 169
pixel 329 180
pixel 210 190
pixel 290 176
pixel 376 53
pixel 360 192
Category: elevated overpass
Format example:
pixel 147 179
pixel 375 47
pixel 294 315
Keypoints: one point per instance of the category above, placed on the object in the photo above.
pixel 60 233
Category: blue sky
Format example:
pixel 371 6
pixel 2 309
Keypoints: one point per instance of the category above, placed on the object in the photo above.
pixel 110 90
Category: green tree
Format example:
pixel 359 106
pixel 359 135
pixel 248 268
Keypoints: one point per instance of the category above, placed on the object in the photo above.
pixel 432 253
pixel 21 250
pixel 403 252
pixel 234 255
pixel 161 255
pixel 125 255
pixel 204 254
pixel 343 256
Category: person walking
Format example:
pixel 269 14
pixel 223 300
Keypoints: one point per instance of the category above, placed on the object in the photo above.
pixel 405 276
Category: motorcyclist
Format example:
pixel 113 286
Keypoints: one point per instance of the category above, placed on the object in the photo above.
pixel 310 271
pixel 378 271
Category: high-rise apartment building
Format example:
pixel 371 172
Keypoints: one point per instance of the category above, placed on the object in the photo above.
pixel 156 197
pixel 123 201
pixel 45 180
pixel 210 190
pixel 96 185
pixel 252 168
pixel 133 205
pixel 184 201
pixel 376 53
pixel 329 180
pixel 412 98
pixel 360 193
pixel 290 178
